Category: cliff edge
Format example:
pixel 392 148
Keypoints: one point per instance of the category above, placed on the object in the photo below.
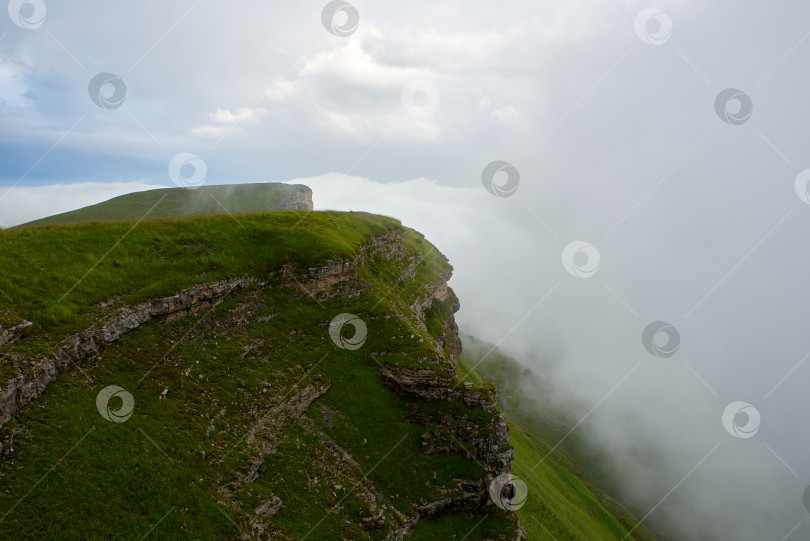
pixel 289 376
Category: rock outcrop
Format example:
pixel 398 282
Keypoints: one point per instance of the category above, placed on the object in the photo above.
pixel 482 437
pixel 334 277
pixel 460 434
pixel 436 385
pixel 35 375
pixel 295 197
pixel 7 336
pixel 269 507
pixel 467 423
pixel 469 496
pixel 264 434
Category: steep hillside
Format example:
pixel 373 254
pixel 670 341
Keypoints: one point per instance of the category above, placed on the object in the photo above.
pixel 195 384
pixel 287 375
pixel 555 463
pixel 173 202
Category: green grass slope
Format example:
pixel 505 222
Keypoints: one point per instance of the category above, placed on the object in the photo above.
pixel 201 382
pixel 173 202
pixel 568 491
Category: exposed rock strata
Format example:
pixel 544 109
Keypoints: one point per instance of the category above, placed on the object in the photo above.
pixel 486 440
pixel 294 197
pixel 269 507
pixel 333 278
pixel 434 385
pixel 8 336
pixel 460 434
pixel 470 496
pixel 264 433
pixel 264 436
pixel 35 376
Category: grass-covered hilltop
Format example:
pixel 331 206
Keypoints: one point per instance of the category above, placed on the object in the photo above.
pixel 268 375
pixel 205 200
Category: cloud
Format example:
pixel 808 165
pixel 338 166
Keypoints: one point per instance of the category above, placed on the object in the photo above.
pixel 346 91
pixel 435 210
pixel 656 422
pixel 14 92
pixel 654 419
pixel 242 115
pixel 224 122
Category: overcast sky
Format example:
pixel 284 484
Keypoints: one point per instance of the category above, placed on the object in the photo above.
pixel 666 140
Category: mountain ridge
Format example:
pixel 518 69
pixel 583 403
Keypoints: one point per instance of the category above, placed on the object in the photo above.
pixel 176 202
pixel 234 404
pixel 252 311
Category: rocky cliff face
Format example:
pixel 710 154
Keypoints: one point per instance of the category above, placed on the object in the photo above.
pixel 280 417
pixel 296 197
